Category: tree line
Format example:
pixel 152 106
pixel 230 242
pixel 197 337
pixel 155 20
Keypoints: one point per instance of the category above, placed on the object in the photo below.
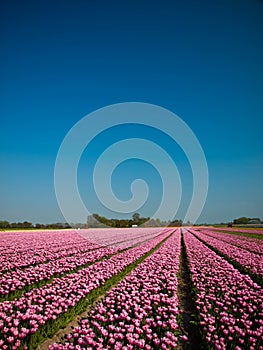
pixel 28 225
pixel 245 220
pixel 95 220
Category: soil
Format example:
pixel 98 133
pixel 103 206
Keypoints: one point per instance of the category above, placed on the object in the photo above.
pixel 187 307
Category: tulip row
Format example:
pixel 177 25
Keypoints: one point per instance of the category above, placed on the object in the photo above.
pixel 251 244
pixel 23 249
pixel 251 262
pixel 31 248
pixel 230 304
pixel 38 239
pixel 140 312
pixel 236 229
pixel 23 320
pixel 120 237
pixel 13 282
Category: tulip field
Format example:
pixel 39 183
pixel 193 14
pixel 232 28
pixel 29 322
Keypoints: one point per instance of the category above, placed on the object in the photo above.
pixel 126 289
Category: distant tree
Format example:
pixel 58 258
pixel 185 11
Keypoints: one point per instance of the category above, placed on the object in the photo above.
pixel 176 223
pixel 27 224
pixel 158 222
pixel 96 220
pixel 254 221
pixel 136 218
pixel 39 226
pixel 4 224
pixel 151 223
pixel 166 223
pixel 241 221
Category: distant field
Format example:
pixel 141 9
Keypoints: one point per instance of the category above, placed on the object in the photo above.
pixel 247 228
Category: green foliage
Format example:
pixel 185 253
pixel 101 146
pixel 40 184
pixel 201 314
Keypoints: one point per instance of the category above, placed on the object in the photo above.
pixel 96 220
pixel 28 225
pixel 6 224
pixel 136 218
pixel 176 223
pixel 244 221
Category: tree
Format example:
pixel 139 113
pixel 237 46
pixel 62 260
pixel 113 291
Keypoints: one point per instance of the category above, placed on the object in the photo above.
pixel 158 222
pixel 136 218
pixel 176 223
pixel 39 226
pixel 4 224
pixel 241 221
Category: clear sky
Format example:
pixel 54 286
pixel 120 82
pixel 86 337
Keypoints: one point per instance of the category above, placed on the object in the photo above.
pixel 63 59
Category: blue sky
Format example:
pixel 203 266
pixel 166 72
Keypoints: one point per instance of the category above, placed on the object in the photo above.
pixel 61 60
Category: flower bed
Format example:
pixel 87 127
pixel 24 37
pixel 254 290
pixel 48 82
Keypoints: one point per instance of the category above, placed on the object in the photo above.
pixel 252 262
pixel 140 312
pixel 27 319
pixel 230 304
pixel 251 244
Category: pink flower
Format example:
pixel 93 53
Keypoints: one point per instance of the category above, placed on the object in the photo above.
pixel 10 339
pixel 184 338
